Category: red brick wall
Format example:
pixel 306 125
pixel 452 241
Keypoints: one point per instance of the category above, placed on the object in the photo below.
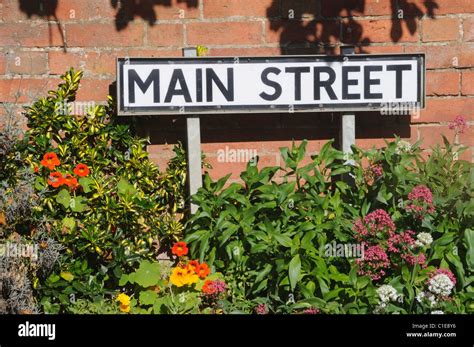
pixel 39 42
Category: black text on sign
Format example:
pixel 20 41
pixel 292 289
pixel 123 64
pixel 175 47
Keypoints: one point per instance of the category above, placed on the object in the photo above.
pixel 304 83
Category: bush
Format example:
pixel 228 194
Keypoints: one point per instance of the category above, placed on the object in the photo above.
pixel 282 243
pixel 98 193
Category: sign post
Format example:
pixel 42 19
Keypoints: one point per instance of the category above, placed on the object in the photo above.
pixel 347 128
pixel 193 146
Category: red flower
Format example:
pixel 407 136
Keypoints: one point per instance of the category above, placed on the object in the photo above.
pixel 70 181
pixel 209 288
pixel 194 264
pixel 56 179
pixel 50 160
pixel 204 270
pixel 81 170
pixel 180 249
pixel 36 169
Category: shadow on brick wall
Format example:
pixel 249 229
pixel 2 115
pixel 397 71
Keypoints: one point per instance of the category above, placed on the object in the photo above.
pixel 128 10
pixel 44 9
pixel 310 26
pixel 301 27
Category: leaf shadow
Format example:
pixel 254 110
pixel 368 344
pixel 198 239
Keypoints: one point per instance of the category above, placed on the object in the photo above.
pixel 321 26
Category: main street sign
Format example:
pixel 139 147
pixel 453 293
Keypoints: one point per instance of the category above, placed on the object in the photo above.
pixel 159 86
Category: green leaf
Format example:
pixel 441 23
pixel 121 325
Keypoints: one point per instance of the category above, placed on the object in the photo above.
pixel 125 188
pixel 77 204
pixel 406 275
pixel 294 271
pixel 353 276
pixel 284 240
pixel 148 297
pixel 362 282
pixel 263 273
pixel 69 223
pixel 63 198
pixel 40 183
pixel 381 198
pixel 148 274
pixel 66 275
pixel 469 238
pixel 86 182
pixel 123 280
pixel 159 303
pixel 340 171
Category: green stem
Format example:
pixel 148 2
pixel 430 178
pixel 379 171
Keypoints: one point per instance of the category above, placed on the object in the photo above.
pixel 412 281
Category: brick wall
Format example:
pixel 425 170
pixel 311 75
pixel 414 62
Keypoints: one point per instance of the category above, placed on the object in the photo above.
pixel 40 39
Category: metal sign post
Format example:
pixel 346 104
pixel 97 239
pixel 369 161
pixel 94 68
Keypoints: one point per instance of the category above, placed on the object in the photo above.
pixel 193 146
pixel 347 128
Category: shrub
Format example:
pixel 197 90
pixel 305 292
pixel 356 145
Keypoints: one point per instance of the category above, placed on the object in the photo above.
pixel 277 240
pixel 26 250
pixel 98 193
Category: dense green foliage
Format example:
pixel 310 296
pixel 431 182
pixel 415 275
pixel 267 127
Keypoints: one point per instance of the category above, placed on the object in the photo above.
pixel 269 235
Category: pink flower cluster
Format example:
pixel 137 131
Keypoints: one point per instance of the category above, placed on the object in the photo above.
pixel 378 221
pixel 217 286
pixel 372 173
pixel 402 244
pixel 374 263
pixel 261 309
pixel 421 201
pixel 398 243
pixel 311 310
pixel 386 247
pixel 412 259
pixel 459 125
pixel 377 170
pixel 422 193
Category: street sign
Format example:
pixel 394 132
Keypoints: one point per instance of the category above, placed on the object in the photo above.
pixel 160 86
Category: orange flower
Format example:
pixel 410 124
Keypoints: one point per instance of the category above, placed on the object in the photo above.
pixel 81 170
pixel 70 181
pixel 55 179
pixel 36 169
pixel 208 288
pixel 50 160
pixel 180 249
pixel 194 264
pixel 204 270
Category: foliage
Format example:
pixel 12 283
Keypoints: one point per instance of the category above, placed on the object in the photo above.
pixel 97 193
pixel 68 289
pixel 271 237
pixel 161 288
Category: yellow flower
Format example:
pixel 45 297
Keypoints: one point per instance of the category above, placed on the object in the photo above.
pixel 124 299
pixel 183 276
pixel 124 308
